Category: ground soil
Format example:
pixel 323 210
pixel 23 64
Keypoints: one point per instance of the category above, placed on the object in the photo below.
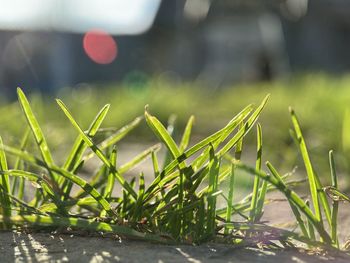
pixel 52 247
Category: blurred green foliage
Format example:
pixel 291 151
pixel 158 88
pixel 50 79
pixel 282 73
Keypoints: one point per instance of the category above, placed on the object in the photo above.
pixel 320 101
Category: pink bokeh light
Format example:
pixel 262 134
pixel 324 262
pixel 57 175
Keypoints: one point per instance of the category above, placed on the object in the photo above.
pixel 100 47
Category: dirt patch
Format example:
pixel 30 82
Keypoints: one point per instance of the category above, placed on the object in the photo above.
pixel 39 247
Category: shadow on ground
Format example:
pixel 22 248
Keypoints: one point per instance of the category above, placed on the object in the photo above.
pixel 40 247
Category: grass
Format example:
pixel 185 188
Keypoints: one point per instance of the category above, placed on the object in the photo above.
pixel 321 102
pixel 182 201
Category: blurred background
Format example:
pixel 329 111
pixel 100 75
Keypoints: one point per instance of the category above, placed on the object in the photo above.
pixel 215 42
pixel 204 57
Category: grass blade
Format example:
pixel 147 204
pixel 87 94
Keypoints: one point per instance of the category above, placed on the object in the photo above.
pixel 138 159
pixel 96 150
pixel 314 181
pixel 76 153
pixel 4 184
pixel 161 132
pixel 87 224
pixel 335 205
pixel 214 167
pixel 186 135
pixel 293 197
pixel 116 137
pixel 255 196
pixel 79 146
pixel 19 182
pixel 292 205
pixel 230 197
pixel 36 130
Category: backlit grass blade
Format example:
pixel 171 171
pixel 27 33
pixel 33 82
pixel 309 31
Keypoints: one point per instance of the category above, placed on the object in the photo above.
pixel 68 175
pixel 255 195
pixel 292 205
pixel 309 225
pixel 111 178
pixel 44 183
pixel 293 197
pixel 308 165
pixel 29 158
pixel 238 153
pixel 314 181
pixel 138 159
pixel 214 167
pixel 230 197
pixel 245 129
pixel 87 224
pixel 155 164
pixel 18 183
pixel 186 135
pixel 161 132
pixel 138 206
pixel 96 150
pixel 116 137
pixel 335 206
pixel 36 130
pixel 232 142
pixel 79 146
pixel 4 184
pixel 223 133
pixel 86 187
pixel 76 153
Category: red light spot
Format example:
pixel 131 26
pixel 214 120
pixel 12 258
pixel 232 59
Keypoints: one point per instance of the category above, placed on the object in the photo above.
pixel 100 46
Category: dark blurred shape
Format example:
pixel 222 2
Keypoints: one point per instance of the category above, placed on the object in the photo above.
pixel 214 42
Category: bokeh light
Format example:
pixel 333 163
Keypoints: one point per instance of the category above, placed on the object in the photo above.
pixel 100 46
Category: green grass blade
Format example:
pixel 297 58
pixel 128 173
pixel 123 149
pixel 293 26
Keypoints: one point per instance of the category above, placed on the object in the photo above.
pixel 214 167
pixel 161 132
pixel 138 206
pixel 335 205
pixel 4 183
pixel 44 183
pixel 116 137
pixel 314 181
pixel 238 153
pixel 96 150
pixel 18 183
pixel 68 175
pixel 255 196
pixel 36 130
pixel 292 205
pixel 244 130
pixel 111 178
pixel 219 135
pixel 79 146
pixel 87 224
pixel 86 187
pixel 310 226
pixel 308 165
pixel 293 197
pixel 74 158
pixel 186 135
pixel 230 197
pixel 138 159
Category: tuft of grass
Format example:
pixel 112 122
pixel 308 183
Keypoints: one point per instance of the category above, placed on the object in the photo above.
pixel 185 200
